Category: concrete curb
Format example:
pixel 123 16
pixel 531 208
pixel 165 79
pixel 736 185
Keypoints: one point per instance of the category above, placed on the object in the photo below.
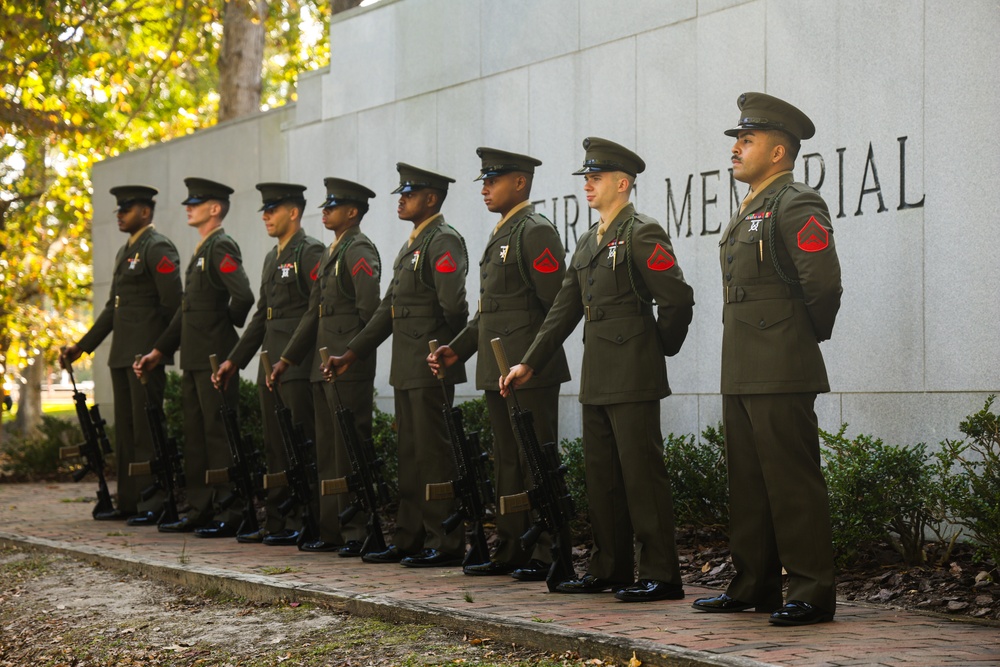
pixel 261 588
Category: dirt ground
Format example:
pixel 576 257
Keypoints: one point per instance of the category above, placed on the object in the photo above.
pixel 59 612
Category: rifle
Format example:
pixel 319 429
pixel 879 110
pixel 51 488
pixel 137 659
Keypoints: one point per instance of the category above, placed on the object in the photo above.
pixel 246 475
pixel 366 480
pixel 93 448
pixel 473 487
pixel 166 466
pixel 549 496
pixel 300 476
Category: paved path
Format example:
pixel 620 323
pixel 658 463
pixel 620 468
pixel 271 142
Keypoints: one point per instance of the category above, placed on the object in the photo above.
pixel 660 633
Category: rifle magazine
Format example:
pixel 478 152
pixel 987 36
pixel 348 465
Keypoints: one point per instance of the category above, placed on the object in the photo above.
pixel 440 491
pixel 334 487
pixel 140 468
pixel 519 502
pixel 70 452
pixel 276 480
pixel 217 476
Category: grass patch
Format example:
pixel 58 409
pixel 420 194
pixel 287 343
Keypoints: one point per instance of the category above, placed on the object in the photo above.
pixel 34 564
pixel 279 570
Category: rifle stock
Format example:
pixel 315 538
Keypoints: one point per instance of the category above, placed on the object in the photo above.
pixel 366 480
pixel 245 474
pixel 166 466
pixel 300 475
pixel 472 487
pixel 549 496
pixel 93 448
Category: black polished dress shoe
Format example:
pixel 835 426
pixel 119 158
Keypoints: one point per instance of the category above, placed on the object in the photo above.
pixel 352 549
pixel 799 613
pixel 489 568
pixel 319 546
pixel 184 525
pixel 535 570
pixel 217 529
pixel 111 515
pixel 588 584
pixel 282 538
pixel 431 558
pixel 648 590
pixel 724 604
pixel 142 519
pixel 256 537
pixel 391 555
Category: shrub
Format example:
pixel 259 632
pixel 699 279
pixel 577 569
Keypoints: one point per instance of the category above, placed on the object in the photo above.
pixel 248 409
pixel 384 443
pixel 970 479
pixel 476 418
pixel 878 493
pixel 572 458
pixel 384 439
pixel 38 457
pixel 698 479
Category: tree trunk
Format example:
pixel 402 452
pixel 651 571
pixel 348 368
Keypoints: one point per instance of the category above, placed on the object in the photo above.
pixel 337 6
pixel 241 58
pixel 29 401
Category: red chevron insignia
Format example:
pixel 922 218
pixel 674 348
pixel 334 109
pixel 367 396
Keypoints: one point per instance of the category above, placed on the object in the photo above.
pixel 361 265
pixel 166 266
pixel 813 236
pixel 660 259
pixel 314 273
pixel 445 264
pixel 228 264
pixel 546 262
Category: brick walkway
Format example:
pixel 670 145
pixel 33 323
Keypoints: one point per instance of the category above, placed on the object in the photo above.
pixel 660 633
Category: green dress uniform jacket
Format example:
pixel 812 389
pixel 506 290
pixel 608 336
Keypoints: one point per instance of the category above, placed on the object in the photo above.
pixel 773 326
pixel 286 281
pixel 781 294
pixel 145 295
pixel 520 273
pixel 612 284
pixel 342 300
pixel 425 301
pixel 217 299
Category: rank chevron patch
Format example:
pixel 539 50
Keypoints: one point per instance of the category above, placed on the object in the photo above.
pixel 445 264
pixel 165 266
pixel 660 259
pixel 228 264
pixel 546 262
pixel 361 265
pixel 314 274
pixel 813 237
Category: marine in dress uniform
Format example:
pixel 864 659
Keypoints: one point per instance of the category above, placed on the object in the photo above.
pixel 521 271
pixel 622 270
pixel 290 269
pixel 425 301
pixel 217 299
pixel 145 295
pixel 781 293
pixel 343 299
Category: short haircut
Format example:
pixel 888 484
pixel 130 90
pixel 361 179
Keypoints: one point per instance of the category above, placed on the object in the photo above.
pixel 791 143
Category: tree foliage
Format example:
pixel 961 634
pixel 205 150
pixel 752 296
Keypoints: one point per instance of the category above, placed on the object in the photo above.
pixel 81 81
